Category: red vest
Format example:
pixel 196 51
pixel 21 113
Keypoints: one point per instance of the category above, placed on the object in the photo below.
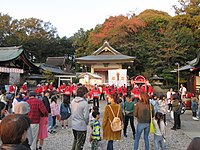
pixel 95 92
pixel 135 92
pixel 67 90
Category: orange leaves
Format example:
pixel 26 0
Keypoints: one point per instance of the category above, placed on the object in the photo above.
pixel 115 28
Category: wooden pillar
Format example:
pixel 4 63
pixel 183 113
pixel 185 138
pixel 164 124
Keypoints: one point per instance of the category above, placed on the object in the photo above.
pixel 58 81
pixel 92 68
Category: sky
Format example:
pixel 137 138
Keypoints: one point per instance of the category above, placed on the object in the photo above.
pixel 68 16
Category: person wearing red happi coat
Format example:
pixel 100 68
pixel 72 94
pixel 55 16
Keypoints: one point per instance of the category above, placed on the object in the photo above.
pixel 95 93
pixel 135 92
pixel 67 92
pixel 45 88
pixel 13 89
pixel 24 88
pixel 51 87
pixel 74 88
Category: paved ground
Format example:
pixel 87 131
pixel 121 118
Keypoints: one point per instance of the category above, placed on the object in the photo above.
pixel 176 140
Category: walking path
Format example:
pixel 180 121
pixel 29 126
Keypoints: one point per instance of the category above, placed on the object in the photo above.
pixel 175 140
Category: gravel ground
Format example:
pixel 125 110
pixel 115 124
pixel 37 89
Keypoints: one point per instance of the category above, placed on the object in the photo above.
pixel 63 139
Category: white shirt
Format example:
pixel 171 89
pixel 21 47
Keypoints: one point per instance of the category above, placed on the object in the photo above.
pixel 169 93
pixel 183 91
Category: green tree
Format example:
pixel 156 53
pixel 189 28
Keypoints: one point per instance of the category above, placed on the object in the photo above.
pixel 5 21
pixel 81 43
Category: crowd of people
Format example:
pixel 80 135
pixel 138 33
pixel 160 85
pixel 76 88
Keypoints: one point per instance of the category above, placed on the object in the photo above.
pixel 37 111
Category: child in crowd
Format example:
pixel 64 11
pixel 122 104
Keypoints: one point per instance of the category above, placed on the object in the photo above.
pixel 54 110
pixel 94 108
pixel 159 135
pixel 96 127
pixel 65 112
pixel 194 108
pixel 154 102
pixel 91 119
pixel 162 106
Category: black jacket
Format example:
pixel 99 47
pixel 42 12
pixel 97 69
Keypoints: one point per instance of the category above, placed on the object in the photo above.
pixel 45 100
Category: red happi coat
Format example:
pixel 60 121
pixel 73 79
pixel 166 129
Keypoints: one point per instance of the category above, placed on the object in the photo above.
pixel 12 89
pixel 124 91
pixel 135 92
pixel 68 90
pixel 95 92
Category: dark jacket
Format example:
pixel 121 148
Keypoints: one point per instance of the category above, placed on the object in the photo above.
pixel 175 105
pixel 45 100
pixel 13 147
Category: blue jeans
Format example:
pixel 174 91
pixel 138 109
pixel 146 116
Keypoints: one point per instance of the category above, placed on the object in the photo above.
pixel 158 141
pixel 140 128
pixel 110 145
pixel 198 112
pixel 50 121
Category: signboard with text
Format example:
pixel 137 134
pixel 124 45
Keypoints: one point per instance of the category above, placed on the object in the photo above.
pixel 117 77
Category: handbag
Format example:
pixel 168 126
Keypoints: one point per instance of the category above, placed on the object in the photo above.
pixel 152 128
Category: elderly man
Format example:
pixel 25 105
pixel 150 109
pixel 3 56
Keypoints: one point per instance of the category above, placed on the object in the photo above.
pixel 37 109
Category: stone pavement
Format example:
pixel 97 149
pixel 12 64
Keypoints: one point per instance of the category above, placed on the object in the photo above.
pixel 175 140
pixel 190 127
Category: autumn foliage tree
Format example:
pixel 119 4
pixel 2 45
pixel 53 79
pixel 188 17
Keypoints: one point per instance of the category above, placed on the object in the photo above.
pixel 114 29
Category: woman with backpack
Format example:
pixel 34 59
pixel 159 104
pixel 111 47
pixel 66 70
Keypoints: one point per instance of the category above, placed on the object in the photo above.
pixel 65 112
pixel 113 110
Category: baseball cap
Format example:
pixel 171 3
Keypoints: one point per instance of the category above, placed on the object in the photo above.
pixel 22 108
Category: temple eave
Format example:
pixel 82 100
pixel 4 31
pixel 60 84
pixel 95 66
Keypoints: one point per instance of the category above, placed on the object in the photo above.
pixel 104 61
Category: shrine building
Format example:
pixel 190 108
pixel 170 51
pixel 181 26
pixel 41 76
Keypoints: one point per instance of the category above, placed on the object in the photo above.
pixel 103 59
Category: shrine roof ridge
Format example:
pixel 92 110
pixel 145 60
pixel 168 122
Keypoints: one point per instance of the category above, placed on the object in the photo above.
pixel 10 53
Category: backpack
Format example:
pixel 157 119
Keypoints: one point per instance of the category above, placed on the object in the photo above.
pixel 181 108
pixel 116 124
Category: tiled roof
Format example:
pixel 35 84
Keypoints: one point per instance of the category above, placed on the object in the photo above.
pixel 10 53
pixel 106 53
pixel 106 47
pixel 56 61
pixel 53 69
pixel 104 57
